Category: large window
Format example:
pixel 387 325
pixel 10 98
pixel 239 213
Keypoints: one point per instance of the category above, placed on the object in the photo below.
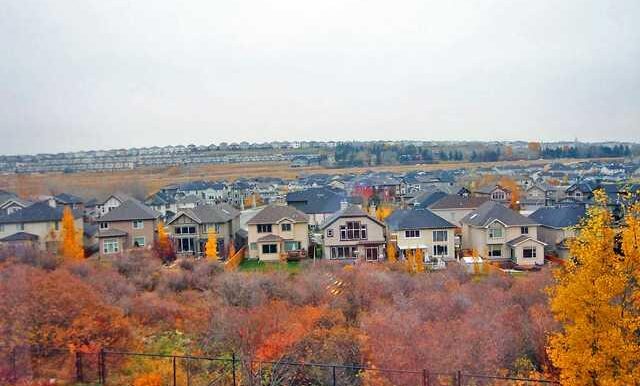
pixel 286 227
pixel 353 230
pixel 138 242
pixel 529 252
pixel 188 230
pixel 524 230
pixel 138 224
pixel 20 227
pixel 440 236
pixel 264 228
pixel 412 234
pixel 269 248
pixel 440 250
pixel 371 253
pixel 343 252
pixel 110 246
pixel 495 232
pixel 292 245
pixel 498 195
pixel 495 251
pixel 186 245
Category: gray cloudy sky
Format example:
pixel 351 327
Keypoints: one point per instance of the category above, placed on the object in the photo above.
pixel 106 74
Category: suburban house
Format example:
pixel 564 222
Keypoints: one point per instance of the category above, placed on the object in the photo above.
pixel 581 191
pixel 112 202
pixel 66 199
pixel 352 234
pixel 132 224
pixel 38 224
pixel 496 232
pixel 496 193
pixel 557 226
pixel 13 204
pixel 190 228
pixel 423 199
pixel 278 232
pixel 454 208
pixel 163 203
pixel 422 229
pixel 317 203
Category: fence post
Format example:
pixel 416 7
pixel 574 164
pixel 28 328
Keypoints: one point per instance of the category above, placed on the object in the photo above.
pixel 79 372
pixel 174 371
pixel 459 378
pixel 334 375
pixel 233 367
pixel 14 371
pixel 103 366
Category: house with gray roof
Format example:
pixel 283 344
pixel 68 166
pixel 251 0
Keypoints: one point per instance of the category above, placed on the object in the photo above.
pixel 454 207
pixel 420 228
pixel 558 224
pixel 278 232
pixel 132 224
pixel 40 223
pixel 352 234
pixel 190 228
pixel 496 232
pixel 317 203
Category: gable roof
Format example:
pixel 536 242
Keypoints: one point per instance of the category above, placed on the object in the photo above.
pixel 402 219
pixel 351 211
pixel 454 201
pixel 38 212
pixel 559 216
pixel 273 213
pixel 66 198
pixel 491 211
pixel 521 239
pixel 209 214
pixel 425 199
pixel 315 200
pixel 130 209
pixel 20 236
pixel 118 196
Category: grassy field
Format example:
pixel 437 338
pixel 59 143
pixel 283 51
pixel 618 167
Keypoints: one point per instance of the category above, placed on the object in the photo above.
pixel 144 181
pixel 260 266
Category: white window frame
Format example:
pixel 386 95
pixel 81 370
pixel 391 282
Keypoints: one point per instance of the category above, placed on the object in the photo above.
pixel 534 252
pixel 104 225
pixel 440 236
pixel 524 230
pixel 144 241
pixel 20 226
pixel 288 225
pixel 138 224
pixel 264 228
pixel 374 250
pixel 111 242
pixel 412 234
pixel 493 229
pixel 493 248
pixel 440 250
pixel 269 252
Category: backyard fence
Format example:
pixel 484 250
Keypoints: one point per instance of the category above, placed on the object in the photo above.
pixel 124 368
pixel 234 261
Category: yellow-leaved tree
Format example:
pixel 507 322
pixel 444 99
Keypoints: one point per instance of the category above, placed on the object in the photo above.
pixel 71 246
pixel 596 298
pixel 391 252
pixel 211 248
pixel 419 260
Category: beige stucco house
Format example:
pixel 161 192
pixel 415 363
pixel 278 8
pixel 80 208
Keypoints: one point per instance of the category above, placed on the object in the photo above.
pixel 496 232
pixel 454 208
pixel 190 227
pixel 413 229
pixel 557 226
pixel 132 224
pixel 352 234
pixel 278 232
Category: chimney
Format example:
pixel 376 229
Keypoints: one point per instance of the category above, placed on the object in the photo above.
pixel 52 202
pixel 343 204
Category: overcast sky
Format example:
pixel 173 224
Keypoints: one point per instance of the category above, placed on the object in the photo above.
pixel 90 74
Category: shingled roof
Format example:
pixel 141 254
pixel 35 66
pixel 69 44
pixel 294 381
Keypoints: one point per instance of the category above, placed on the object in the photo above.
pixel 209 214
pixel 402 219
pixel 274 213
pixel 349 211
pixel 38 212
pixel 559 216
pixel 129 210
pixel 454 201
pixel 490 211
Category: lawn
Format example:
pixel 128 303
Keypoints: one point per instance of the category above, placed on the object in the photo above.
pixel 261 266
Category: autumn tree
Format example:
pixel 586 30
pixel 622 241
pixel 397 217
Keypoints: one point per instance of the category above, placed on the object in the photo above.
pixel 514 188
pixel 163 247
pixel 71 246
pixel 392 256
pixel 211 248
pixel 419 260
pixel 597 299
pixel 383 211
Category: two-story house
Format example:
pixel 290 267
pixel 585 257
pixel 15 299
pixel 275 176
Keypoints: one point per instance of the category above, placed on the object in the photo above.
pixel 558 225
pixel 352 234
pixel 132 224
pixel 278 232
pixel 413 229
pixel 496 193
pixel 39 224
pixel 112 202
pixel 190 228
pixel 496 232
pixel 317 203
